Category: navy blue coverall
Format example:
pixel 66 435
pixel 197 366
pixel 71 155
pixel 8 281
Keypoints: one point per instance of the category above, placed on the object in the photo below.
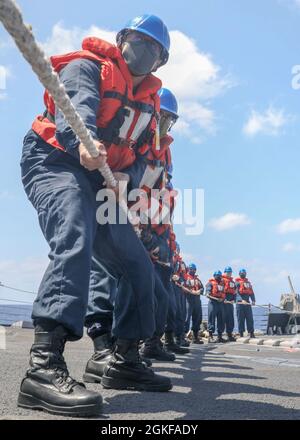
pixel 166 277
pixel 229 313
pixel 64 196
pixel 194 313
pixel 103 285
pixel 229 316
pixel 244 312
pixel 181 309
pixel 215 312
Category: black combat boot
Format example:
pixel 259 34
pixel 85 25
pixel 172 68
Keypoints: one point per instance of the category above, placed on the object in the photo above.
pixel 183 341
pixel 196 339
pixel 252 336
pixel 171 345
pixel 48 385
pixel 154 349
pixel 220 340
pixel 231 338
pixel 103 346
pixel 147 361
pixel 126 371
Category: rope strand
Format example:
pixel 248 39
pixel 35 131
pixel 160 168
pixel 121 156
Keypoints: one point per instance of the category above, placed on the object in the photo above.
pixel 16 289
pixel 12 20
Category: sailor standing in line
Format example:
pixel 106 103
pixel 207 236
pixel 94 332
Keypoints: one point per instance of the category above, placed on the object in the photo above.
pixel 245 298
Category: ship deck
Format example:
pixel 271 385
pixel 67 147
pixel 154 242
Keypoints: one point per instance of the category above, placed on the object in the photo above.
pixel 233 381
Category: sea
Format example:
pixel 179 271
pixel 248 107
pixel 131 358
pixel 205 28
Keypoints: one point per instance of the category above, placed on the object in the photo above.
pixel 10 314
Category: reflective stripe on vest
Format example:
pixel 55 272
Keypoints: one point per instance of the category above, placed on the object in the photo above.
pixel 245 286
pixel 229 287
pixel 193 282
pixel 217 289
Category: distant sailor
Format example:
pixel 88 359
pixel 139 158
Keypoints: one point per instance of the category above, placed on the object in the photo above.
pixel 194 289
pixel 230 295
pixel 245 296
pixel 216 294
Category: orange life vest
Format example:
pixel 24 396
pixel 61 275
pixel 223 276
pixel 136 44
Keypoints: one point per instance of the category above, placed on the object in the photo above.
pixel 192 282
pixel 166 204
pixel 161 157
pixel 229 285
pixel 218 289
pixel 125 120
pixel 245 286
pixel 158 161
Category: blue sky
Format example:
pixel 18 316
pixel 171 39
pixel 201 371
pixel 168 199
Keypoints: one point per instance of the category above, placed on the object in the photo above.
pixel 238 136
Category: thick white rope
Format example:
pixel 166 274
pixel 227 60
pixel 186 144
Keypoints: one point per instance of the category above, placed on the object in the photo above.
pixel 12 20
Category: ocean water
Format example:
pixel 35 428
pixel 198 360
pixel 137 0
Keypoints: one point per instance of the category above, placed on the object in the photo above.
pixel 13 313
pixel 260 316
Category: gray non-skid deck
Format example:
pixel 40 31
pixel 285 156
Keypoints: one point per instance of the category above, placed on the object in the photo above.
pixel 232 381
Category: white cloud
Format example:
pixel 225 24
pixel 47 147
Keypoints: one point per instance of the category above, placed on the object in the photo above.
pixel 289 225
pixel 229 221
pixel 195 121
pixel 190 74
pixel 68 40
pixel 195 79
pixel 290 247
pixel 270 122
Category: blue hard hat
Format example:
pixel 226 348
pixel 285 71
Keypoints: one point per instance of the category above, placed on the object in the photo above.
pixel 218 273
pixel 228 269
pixel 193 267
pixel 153 27
pixel 168 102
pixel 243 271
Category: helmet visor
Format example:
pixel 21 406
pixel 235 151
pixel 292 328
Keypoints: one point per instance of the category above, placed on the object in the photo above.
pixel 167 120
